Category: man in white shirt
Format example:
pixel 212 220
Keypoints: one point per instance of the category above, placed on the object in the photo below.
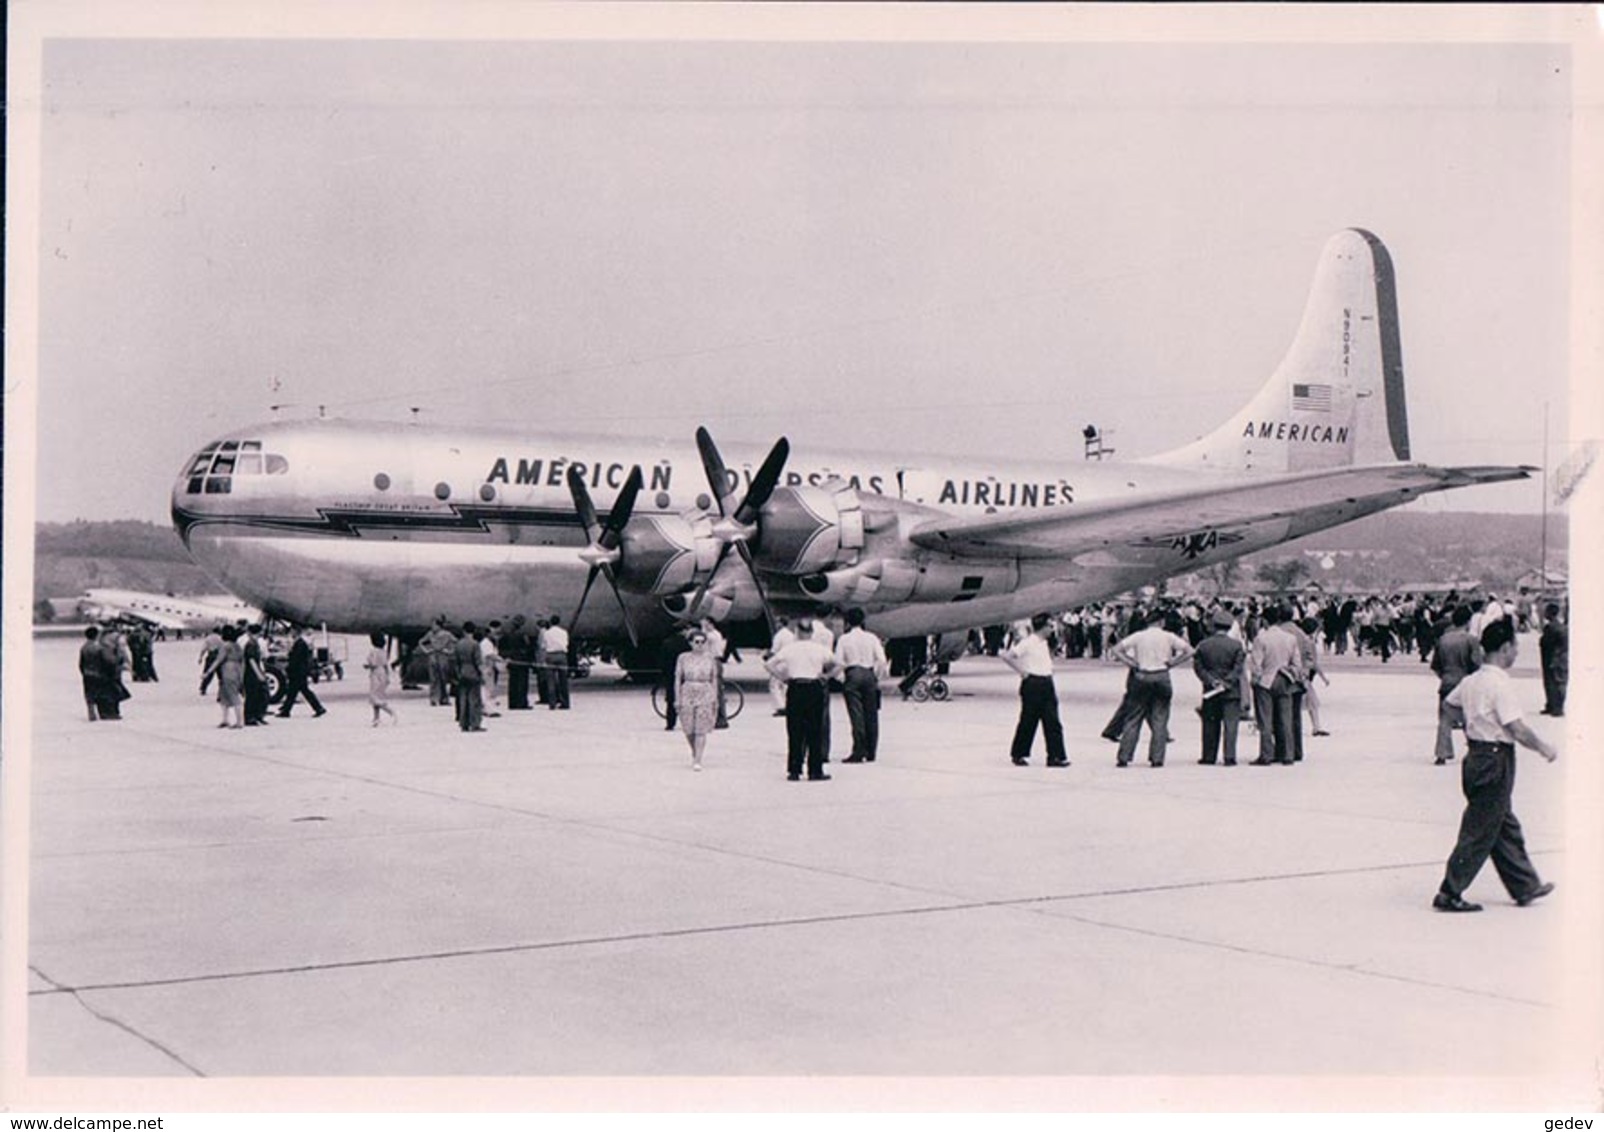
pixel 1493 725
pixel 863 660
pixel 1032 658
pixel 490 664
pixel 554 641
pixel 804 664
pixel 1149 654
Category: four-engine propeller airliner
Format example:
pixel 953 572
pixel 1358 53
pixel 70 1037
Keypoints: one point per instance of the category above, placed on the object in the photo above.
pixel 365 526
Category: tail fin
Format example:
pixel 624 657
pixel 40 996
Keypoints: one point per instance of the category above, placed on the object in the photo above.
pixel 1337 398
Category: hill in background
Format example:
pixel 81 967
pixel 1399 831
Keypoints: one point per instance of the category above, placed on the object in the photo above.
pixel 1392 550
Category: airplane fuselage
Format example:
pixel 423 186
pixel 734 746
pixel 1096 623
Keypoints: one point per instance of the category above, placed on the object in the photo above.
pixel 368 526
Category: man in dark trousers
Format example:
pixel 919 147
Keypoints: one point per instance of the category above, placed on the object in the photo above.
pixel 297 673
pixel 1555 649
pixel 1149 653
pixel 1487 701
pixel 256 693
pixel 804 665
pixel 1276 662
pixel 1455 656
pixel 1032 658
pixel 1219 662
pixel 517 652
pixel 863 662
pixel 470 678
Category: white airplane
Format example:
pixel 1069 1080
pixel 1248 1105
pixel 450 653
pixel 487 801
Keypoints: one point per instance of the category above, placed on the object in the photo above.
pixel 367 526
pixel 186 614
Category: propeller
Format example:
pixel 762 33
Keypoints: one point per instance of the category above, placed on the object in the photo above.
pixel 601 549
pixel 738 521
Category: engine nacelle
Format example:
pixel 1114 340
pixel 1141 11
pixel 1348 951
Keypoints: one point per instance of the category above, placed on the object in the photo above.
pixel 663 554
pixel 902 579
pixel 851 585
pixel 732 598
pixel 808 529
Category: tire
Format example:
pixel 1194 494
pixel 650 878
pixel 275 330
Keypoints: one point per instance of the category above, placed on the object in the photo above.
pixel 274 684
pixel 660 701
pixel 939 690
pixel 734 701
pixel 921 691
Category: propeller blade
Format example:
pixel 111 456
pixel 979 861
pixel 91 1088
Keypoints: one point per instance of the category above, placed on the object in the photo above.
pixel 623 507
pixel 751 568
pixel 589 579
pixel 717 477
pixel 694 609
pixel 629 622
pixel 763 483
pixel 583 505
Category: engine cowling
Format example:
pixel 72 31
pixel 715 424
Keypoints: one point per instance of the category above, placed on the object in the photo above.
pixel 850 585
pixel 810 529
pixel 732 596
pixel 664 554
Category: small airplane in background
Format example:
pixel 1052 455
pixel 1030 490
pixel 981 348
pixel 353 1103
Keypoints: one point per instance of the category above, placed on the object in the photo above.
pixel 165 611
pixel 377 526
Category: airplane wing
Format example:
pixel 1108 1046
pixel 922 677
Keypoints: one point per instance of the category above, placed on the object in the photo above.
pixel 1330 496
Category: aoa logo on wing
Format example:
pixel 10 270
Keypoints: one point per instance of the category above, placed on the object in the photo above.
pixel 1191 545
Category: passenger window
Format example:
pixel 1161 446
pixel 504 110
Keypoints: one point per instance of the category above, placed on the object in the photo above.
pixel 195 483
pixel 201 463
pixel 219 485
pixel 250 446
pixel 223 464
pixel 277 465
pixel 250 464
pixel 229 446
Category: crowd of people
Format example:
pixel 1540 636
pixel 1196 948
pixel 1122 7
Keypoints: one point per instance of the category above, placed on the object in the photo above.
pixel 1256 661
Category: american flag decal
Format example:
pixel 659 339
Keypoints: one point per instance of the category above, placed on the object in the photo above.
pixel 1311 398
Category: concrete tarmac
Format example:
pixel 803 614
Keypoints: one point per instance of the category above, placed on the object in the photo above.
pixel 561 896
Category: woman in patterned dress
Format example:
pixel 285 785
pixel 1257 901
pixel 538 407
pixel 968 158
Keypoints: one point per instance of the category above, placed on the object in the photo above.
pixel 695 692
pixel 229 666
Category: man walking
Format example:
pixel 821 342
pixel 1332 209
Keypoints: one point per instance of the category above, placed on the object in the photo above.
pixel 1032 658
pixel 863 660
pixel 297 673
pixel 1492 713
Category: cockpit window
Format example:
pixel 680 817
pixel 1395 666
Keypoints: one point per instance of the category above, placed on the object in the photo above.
pixel 212 470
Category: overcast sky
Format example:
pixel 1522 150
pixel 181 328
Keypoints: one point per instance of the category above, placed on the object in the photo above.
pixel 957 247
